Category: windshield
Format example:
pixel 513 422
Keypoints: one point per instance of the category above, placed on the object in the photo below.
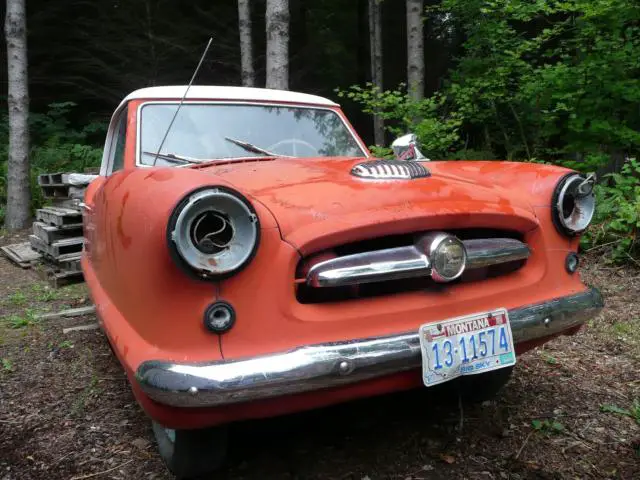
pixel 216 131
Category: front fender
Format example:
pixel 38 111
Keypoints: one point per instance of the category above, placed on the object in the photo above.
pixel 130 260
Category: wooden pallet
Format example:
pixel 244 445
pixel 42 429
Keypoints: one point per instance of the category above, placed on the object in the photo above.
pixel 59 216
pixel 21 254
pixel 70 262
pixel 77 179
pixel 50 234
pixel 58 277
pixel 56 249
pixel 56 191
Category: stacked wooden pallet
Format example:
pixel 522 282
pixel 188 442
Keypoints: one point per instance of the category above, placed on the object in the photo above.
pixel 57 236
pixel 57 231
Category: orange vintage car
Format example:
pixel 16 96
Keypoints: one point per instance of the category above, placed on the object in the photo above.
pixel 249 258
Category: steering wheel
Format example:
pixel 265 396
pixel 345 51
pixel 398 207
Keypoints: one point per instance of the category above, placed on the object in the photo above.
pixel 294 142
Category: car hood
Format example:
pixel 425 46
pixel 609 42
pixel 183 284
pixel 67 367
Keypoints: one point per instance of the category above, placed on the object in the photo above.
pixel 318 203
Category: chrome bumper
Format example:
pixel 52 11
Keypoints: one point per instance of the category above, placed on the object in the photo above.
pixel 326 365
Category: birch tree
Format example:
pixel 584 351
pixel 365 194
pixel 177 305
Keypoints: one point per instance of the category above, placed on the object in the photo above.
pixel 246 50
pixel 415 49
pixel 375 42
pixel 277 20
pixel 18 191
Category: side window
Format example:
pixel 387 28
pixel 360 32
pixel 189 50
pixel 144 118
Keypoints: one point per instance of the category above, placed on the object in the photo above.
pixel 117 146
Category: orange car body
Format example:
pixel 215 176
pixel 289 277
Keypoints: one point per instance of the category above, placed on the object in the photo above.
pixel 151 310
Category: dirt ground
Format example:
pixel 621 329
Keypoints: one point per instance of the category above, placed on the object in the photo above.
pixel 66 411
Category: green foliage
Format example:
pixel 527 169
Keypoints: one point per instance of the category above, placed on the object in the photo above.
pixel 544 81
pixel 548 426
pixel 632 412
pixel 7 365
pixel 436 132
pixel 616 225
pixel 55 146
pixel 21 321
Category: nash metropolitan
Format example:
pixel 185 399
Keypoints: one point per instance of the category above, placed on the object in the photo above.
pixel 249 258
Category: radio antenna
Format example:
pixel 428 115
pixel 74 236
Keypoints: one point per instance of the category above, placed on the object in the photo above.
pixel 204 54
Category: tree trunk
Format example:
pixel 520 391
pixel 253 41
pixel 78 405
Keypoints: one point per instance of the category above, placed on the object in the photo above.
pixel 246 49
pixel 277 20
pixel 375 43
pixel 415 49
pixel 18 191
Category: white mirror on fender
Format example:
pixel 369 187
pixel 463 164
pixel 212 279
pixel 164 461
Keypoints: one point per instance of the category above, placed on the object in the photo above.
pixel 406 148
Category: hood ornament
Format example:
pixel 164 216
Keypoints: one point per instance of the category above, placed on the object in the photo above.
pixel 390 170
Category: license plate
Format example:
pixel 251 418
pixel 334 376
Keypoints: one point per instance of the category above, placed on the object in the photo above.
pixel 466 345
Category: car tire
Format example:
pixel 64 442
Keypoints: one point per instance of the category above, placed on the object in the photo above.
pixel 191 454
pixel 484 386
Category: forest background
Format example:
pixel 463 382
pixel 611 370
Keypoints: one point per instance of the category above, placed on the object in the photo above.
pixel 522 80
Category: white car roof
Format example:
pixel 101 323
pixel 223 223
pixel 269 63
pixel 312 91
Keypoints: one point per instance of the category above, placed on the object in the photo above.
pixel 209 92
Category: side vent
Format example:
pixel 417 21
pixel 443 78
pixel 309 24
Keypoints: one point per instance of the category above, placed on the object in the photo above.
pixel 390 170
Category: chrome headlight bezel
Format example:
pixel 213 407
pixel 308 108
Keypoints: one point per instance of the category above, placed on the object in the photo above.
pixel 195 251
pixel 573 204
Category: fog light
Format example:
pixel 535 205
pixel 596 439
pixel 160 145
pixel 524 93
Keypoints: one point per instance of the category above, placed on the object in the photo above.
pixel 219 317
pixel 571 262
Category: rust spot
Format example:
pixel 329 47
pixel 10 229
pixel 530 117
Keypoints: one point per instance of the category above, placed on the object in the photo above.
pixel 212 262
pixel 125 240
pixel 161 175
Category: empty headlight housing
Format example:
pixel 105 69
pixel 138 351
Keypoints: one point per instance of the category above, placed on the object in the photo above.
pixel 573 204
pixel 213 233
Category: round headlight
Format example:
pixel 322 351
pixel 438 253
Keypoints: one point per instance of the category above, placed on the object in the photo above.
pixel 213 233
pixel 447 256
pixel 573 204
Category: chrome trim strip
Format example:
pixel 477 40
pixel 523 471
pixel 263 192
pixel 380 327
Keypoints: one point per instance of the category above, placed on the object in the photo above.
pixel 492 251
pixel 314 367
pixel 408 262
pixel 375 266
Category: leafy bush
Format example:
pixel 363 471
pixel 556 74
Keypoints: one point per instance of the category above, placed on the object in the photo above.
pixel 543 81
pixel 616 225
pixel 56 145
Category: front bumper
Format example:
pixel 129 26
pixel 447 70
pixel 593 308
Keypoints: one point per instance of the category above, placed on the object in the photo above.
pixel 315 367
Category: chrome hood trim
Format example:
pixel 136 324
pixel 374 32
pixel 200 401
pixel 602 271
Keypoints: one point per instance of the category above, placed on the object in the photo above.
pixel 408 262
pixel 390 170
pixel 313 367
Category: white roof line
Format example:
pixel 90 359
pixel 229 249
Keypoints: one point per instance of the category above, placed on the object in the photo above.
pixel 209 92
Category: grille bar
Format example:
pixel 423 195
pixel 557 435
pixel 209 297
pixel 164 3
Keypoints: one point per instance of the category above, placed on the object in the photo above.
pixel 408 262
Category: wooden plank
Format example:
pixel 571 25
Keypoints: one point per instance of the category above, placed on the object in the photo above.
pixel 70 313
pixel 81 328
pixel 51 234
pixel 21 253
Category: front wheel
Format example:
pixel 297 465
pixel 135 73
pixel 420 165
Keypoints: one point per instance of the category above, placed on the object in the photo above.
pixel 191 454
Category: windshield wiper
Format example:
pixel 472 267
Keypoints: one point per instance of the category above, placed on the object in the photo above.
pixel 250 147
pixel 172 157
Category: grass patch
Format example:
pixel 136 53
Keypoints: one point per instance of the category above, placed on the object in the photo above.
pixel 44 293
pixel 17 299
pixel 16 321
pixel 7 365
